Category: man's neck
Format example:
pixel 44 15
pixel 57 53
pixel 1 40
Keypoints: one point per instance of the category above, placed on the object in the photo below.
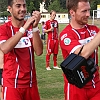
pixel 17 23
pixel 76 25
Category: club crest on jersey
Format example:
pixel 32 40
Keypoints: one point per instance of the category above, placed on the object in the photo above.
pixel 29 33
pixel 67 41
pixel 93 32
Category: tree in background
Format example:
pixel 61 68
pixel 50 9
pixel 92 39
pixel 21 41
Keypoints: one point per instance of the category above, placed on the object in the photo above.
pixel 63 4
pixel 33 5
pixel 94 4
pixel 3 5
pixel 57 5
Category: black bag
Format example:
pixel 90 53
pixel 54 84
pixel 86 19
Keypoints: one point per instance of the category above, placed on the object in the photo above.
pixel 78 70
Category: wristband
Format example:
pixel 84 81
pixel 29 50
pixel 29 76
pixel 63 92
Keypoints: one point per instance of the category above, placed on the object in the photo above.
pixel 22 30
pixel 35 29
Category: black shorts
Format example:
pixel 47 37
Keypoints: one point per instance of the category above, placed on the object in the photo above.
pixel 1 70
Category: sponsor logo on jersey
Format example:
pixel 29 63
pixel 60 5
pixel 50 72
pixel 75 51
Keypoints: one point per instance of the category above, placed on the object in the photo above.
pixel 67 41
pixel 64 36
pixel 85 41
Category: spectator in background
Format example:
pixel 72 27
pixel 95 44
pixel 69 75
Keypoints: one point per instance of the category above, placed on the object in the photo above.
pixel 43 35
pixel 72 39
pixel 19 40
pixel 52 29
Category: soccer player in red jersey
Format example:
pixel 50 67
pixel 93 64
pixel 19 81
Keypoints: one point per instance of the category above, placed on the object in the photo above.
pixel 19 40
pixel 72 38
pixel 52 29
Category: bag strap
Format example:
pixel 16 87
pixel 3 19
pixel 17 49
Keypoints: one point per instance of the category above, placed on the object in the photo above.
pixel 81 50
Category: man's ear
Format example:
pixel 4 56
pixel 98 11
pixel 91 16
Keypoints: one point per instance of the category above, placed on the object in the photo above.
pixel 72 12
pixel 9 9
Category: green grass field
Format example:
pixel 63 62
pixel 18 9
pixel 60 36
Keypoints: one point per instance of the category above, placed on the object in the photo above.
pixel 50 83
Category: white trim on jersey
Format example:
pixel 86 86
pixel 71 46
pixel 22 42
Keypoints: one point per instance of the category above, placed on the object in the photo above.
pixel 2 41
pixel 68 91
pixel 76 47
pixel 5 91
pixel 16 78
pixel 48 47
pixel 31 66
pixel 76 33
pixel 12 31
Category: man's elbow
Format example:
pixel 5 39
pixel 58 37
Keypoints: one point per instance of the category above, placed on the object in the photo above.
pixel 5 50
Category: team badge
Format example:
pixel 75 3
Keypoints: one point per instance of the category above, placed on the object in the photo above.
pixel 67 41
pixel 93 32
pixel 29 33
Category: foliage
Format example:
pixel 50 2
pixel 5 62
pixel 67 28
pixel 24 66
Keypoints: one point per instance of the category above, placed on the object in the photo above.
pixel 94 4
pixel 33 5
pixel 57 5
pixel 3 5
pixel 63 4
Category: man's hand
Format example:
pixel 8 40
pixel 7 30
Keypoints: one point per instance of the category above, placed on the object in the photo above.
pixel 34 20
pixel 37 16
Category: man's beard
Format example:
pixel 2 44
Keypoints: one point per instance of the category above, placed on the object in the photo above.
pixel 82 22
pixel 18 18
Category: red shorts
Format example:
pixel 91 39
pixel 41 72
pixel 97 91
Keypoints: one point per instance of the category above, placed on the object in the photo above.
pixel 74 93
pixel 21 93
pixel 52 46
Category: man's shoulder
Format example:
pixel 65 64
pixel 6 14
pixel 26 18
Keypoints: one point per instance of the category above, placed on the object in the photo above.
pixel 5 25
pixel 91 26
pixel 66 30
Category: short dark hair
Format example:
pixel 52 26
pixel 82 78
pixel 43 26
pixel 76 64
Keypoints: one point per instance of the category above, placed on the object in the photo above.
pixel 10 2
pixel 73 4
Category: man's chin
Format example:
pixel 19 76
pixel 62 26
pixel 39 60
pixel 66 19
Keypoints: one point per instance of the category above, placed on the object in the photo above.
pixel 84 23
pixel 20 19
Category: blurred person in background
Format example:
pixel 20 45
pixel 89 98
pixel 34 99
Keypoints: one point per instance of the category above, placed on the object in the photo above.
pixel 52 29
pixel 43 35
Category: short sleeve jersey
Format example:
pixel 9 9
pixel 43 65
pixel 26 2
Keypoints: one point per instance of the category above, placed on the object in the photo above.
pixel 19 67
pixel 71 39
pixel 52 34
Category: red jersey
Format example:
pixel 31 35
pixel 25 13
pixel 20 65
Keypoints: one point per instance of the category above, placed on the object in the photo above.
pixel 52 34
pixel 71 39
pixel 19 66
